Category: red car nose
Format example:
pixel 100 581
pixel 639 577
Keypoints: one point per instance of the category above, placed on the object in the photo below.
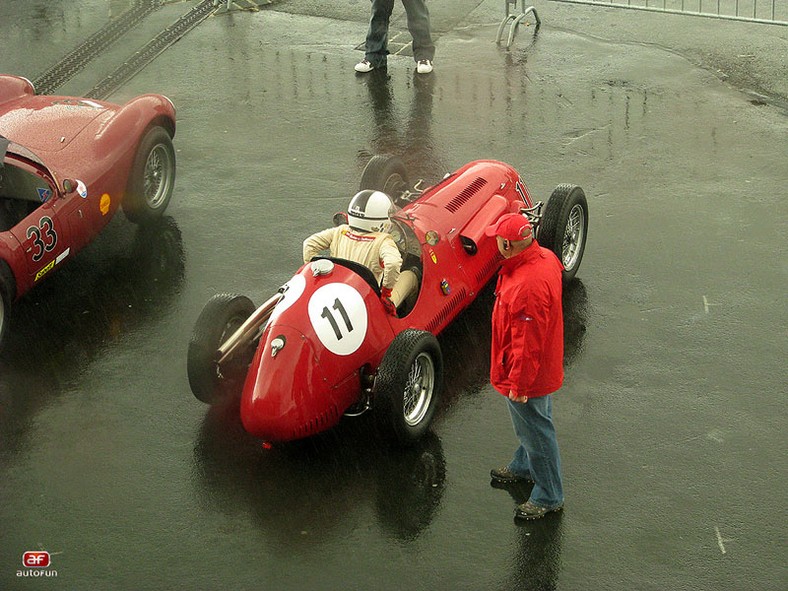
pixel 286 395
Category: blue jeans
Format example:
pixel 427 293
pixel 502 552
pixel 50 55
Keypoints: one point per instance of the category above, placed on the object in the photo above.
pixel 418 25
pixel 537 453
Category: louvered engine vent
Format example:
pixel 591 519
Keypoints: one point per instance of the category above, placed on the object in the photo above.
pixel 465 195
pixel 316 424
pixel 446 311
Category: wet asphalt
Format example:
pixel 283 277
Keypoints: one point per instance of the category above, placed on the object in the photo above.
pixel 671 415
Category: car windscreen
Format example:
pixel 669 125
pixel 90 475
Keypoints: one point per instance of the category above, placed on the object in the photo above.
pixel 19 150
pixel 22 174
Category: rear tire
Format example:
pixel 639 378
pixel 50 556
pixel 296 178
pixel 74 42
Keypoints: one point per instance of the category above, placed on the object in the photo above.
pixel 220 318
pixel 564 227
pixel 408 386
pixel 385 173
pixel 152 177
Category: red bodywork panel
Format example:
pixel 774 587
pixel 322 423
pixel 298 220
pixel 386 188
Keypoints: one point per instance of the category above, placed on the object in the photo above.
pixel 334 327
pixel 55 138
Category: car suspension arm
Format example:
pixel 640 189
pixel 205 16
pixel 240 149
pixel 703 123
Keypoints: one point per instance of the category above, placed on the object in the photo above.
pixel 534 215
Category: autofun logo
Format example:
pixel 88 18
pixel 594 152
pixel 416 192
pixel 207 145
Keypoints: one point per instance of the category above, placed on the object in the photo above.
pixel 37 563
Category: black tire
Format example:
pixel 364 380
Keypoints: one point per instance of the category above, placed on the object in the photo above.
pixel 3 317
pixel 385 173
pixel 413 361
pixel 564 227
pixel 152 178
pixel 7 294
pixel 219 319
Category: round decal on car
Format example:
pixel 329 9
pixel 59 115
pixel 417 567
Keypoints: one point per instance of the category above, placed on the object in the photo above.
pixel 339 318
pixel 82 189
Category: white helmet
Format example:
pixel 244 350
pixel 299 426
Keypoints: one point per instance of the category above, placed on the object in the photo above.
pixel 369 211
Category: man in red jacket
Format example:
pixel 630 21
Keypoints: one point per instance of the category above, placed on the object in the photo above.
pixel 527 359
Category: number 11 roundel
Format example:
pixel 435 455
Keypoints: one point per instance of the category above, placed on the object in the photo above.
pixel 339 317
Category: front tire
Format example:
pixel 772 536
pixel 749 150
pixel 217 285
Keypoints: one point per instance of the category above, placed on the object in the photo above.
pixel 220 318
pixel 408 386
pixel 385 173
pixel 3 319
pixel 7 292
pixel 564 227
pixel 152 177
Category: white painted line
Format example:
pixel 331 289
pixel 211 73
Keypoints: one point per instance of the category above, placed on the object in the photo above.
pixel 720 540
pixel 707 305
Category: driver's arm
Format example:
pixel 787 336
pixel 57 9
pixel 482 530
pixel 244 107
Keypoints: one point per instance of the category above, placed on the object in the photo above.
pixel 317 243
pixel 391 261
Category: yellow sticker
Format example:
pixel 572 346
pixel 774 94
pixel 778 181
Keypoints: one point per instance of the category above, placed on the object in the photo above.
pixel 45 270
pixel 104 204
pixel 433 256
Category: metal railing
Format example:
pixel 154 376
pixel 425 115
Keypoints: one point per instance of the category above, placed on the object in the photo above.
pixel 773 12
pixel 515 18
pixel 250 5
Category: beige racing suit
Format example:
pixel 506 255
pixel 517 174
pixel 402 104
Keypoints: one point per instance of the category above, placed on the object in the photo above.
pixel 375 250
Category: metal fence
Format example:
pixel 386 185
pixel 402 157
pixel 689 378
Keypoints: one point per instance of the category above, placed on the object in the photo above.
pixel 774 12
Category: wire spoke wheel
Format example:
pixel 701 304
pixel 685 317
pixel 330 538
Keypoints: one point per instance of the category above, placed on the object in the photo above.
pixel 408 385
pixel 574 236
pixel 152 177
pixel 418 389
pixel 564 227
pixel 158 176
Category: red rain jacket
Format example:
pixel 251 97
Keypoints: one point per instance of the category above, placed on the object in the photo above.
pixel 527 353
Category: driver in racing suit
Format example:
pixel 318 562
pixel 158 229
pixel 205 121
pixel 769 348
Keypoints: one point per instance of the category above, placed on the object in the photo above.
pixel 365 239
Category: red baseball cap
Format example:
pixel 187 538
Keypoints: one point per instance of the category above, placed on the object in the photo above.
pixel 510 226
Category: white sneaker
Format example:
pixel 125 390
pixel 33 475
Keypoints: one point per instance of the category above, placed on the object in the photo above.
pixel 424 66
pixel 364 66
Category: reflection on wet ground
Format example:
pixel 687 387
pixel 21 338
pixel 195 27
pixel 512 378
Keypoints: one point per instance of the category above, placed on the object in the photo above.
pixel 671 326
pixel 305 493
pixel 121 283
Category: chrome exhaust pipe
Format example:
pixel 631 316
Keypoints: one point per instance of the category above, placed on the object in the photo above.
pixel 247 330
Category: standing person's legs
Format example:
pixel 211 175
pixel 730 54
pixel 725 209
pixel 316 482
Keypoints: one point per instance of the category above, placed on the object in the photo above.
pixel 376 48
pixel 538 451
pixel 419 27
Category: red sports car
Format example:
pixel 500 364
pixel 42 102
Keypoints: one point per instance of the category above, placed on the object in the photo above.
pixel 66 164
pixel 324 347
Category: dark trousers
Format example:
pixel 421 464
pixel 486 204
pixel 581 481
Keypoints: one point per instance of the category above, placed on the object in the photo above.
pixel 418 25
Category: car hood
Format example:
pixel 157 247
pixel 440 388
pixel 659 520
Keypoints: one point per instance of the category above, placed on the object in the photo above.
pixel 49 124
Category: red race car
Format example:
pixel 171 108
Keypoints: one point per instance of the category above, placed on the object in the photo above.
pixel 324 347
pixel 66 164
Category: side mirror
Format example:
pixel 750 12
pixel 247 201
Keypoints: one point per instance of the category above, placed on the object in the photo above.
pixel 69 186
pixel 340 218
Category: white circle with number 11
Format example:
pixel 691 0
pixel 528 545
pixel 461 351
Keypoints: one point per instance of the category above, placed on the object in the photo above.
pixel 339 318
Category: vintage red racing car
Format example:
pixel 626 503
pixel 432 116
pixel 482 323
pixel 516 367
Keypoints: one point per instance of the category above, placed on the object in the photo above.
pixel 324 347
pixel 66 164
